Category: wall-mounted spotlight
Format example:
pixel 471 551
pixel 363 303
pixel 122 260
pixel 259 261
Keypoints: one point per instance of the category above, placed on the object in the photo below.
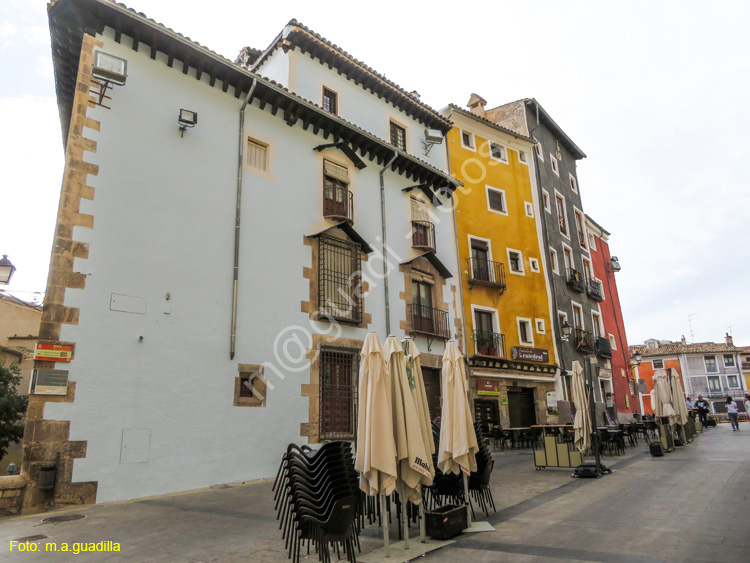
pixel 432 137
pixel 614 264
pixel 187 119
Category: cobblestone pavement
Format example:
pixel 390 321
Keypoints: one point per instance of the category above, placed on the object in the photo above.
pixel 691 505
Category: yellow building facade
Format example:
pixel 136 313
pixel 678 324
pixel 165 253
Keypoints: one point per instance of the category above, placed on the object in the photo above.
pixel 509 333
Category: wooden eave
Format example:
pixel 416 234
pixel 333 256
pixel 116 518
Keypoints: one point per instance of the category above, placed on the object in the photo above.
pixel 70 19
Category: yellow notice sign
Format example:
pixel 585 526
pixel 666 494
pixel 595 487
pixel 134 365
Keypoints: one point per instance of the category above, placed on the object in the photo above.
pixel 49 351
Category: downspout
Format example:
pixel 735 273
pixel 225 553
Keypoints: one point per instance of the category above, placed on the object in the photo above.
pixel 240 158
pixel 458 256
pixel 385 246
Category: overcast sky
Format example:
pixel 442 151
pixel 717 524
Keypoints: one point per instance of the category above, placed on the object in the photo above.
pixel 655 93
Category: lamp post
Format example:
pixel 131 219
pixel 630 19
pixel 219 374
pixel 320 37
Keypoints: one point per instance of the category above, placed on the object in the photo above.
pixel 6 270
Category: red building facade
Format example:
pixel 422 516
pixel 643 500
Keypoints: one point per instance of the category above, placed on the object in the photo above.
pixel 623 385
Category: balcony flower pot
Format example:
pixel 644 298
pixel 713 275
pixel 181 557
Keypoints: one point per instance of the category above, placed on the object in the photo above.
pixel 446 521
pixel 656 449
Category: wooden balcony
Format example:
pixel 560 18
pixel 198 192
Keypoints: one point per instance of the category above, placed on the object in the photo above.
pixel 338 204
pixel 594 290
pixel 423 236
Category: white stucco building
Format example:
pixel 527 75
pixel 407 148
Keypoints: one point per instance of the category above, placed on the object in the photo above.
pixel 175 291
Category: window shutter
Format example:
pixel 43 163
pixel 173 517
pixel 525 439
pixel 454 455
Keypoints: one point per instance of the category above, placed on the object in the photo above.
pixel 496 200
pixel 419 210
pixel 257 155
pixel 336 171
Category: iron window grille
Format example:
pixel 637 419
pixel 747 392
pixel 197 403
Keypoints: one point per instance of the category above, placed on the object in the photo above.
pixel 584 341
pixel 490 344
pixel 339 369
pixel 330 101
pixel 603 347
pixel 594 290
pixel 575 280
pixel 486 272
pixel 398 136
pixel 429 321
pixel 340 279
pixel 423 235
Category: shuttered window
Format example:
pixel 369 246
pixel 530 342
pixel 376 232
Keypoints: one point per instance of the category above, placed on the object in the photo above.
pixel 420 210
pixel 336 171
pixel 257 154
pixel 496 200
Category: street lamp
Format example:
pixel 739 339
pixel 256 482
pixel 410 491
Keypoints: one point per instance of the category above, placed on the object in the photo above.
pixel 6 270
pixel 567 330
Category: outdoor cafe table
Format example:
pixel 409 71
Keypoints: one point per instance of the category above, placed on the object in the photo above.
pixel 517 432
pixel 556 452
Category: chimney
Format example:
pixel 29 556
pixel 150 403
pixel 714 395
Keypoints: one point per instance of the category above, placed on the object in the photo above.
pixel 476 105
pixel 728 340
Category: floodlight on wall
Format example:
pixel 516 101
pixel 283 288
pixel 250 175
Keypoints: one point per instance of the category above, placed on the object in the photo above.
pixel 110 68
pixel 187 119
pixel 6 270
pixel 614 264
pixel 432 137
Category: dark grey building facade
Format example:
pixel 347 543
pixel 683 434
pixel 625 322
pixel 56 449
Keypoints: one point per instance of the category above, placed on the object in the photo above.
pixel 575 291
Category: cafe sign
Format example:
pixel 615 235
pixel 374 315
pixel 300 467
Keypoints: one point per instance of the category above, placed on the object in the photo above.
pixel 53 352
pixel 488 387
pixel 524 354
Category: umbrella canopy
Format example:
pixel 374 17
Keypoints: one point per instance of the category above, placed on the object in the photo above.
pixel 661 396
pixel 678 399
pixel 411 454
pixel 458 441
pixel 582 421
pixel 376 450
pixel 416 382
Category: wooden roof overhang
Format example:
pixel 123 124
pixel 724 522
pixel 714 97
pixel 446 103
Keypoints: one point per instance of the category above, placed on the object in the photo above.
pixel 70 19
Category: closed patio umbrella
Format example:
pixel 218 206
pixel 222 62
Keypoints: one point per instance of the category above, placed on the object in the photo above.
pixel 458 441
pixel 661 396
pixel 678 399
pixel 411 454
pixel 416 380
pixel 582 421
pixel 376 449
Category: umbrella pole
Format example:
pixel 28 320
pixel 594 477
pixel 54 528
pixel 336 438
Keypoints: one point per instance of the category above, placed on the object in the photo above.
pixel 384 522
pixel 589 376
pixel 404 516
pixel 422 533
pixel 466 497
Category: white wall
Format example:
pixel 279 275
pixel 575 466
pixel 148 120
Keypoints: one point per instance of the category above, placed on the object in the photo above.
pixel 164 223
pixel 306 76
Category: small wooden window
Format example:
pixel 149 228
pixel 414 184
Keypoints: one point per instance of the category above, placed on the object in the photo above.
pixel 497 152
pixel 398 136
pixel 467 140
pixel 553 260
pixel 524 332
pixel 522 156
pixel 515 261
pixel 658 364
pixel 553 162
pixel 257 154
pixel 338 393
pixel 496 200
pixel 538 151
pixel 561 215
pixel 330 101
pixel 250 388
pixel 545 201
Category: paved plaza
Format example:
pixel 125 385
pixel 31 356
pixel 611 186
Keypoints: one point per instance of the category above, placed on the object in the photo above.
pixel 691 505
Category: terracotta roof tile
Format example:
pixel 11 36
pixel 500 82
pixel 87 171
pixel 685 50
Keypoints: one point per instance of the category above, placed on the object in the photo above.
pixel 492 124
pixel 679 348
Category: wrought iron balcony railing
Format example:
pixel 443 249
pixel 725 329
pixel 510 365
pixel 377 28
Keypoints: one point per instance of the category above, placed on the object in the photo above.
pixel 429 321
pixel 584 341
pixel 486 272
pixel 490 344
pixel 338 203
pixel 603 347
pixel 423 235
pixel 575 280
pixel 594 290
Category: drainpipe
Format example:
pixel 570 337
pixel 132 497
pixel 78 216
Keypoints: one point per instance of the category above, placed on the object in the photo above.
pixel 458 258
pixel 385 247
pixel 240 158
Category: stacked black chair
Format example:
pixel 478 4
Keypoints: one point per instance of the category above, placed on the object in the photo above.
pixel 479 480
pixel 318 500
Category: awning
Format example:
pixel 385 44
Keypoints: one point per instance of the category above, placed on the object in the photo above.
pixel 432 258
pixel 350 232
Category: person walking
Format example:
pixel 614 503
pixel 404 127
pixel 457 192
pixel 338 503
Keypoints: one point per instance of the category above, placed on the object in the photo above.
pixel 732 412
pixel 747 405
pixel 702 405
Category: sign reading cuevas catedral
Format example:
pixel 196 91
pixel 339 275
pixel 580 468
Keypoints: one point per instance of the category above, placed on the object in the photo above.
pixel 529 354
pixel 53 352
